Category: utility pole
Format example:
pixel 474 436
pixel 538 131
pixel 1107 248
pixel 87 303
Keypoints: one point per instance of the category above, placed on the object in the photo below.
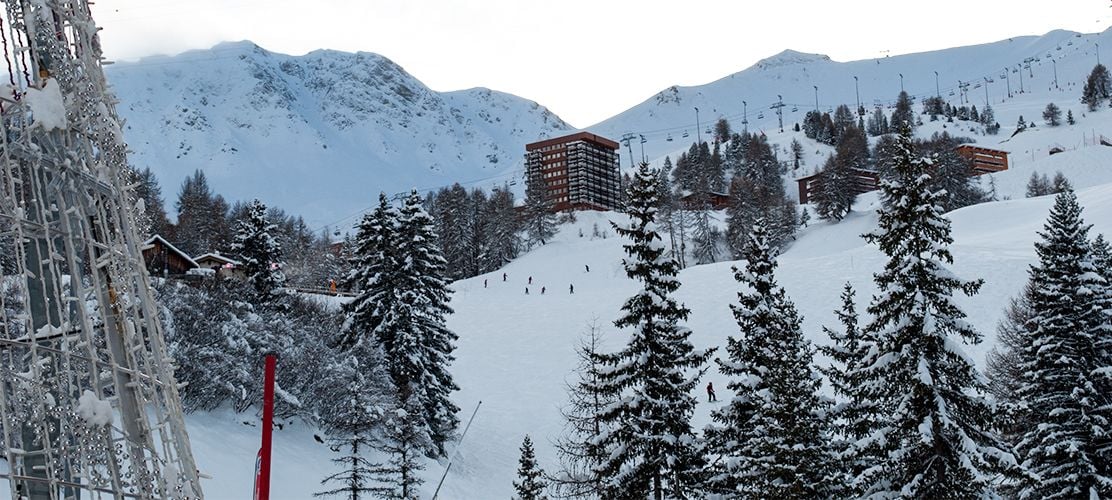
pixel 1098 52
pixel 857 91
pixel 901 82
pixel 698 127
pixel 986 91
pixel 643 141
pixel 1055 63
pixel 1020 80
pixel 816 98
pixel 779 107
pixel 628 140
pixel 745 116
pixel 936 92
pixel 1008 81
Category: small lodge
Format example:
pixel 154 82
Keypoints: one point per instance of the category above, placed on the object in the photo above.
pixel 224 267
pixel 985 160
pixel 163 259
pixel 717 201
pixel 864 181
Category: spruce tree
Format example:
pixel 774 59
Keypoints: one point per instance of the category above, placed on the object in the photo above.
pixel 705 238
pixel 650 446
pixel 258 252
pixel 422 346
pixel 502 230
pixel 373 262
pixel 770 440
pixel 903 115
pixel 1052 115
pixel 153 219
pixel 1065 364
pixel 854 415
pixel 202 217
pixel 530 477
pixel 934 435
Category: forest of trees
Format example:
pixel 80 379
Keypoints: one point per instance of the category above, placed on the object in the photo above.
pixel 911 416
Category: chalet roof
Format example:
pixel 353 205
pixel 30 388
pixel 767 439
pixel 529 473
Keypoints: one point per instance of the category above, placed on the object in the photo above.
pixel 150 243
pixel 219 258
pixel 973 145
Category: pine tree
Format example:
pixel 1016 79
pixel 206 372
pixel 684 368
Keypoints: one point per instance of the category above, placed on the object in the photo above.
pixel 837 190
pixel 797 154
pixel 580 456
pixel 1098 87
pixel 1052 115
pixel 202 217
pixel 934 434
pixel 988 119
pixel 1060 183
pixel 1069 117
pixel 903 114
pixel 1065 387
pixel 258 252
pixel 770 439
pixel 153 219
pixel 373 263
pixel 650 447
pixel 540 222
pixel 1039 185
pixel 502 230
pixel 705 239
pixel 530 483
pixel 422 348
pixel 1020 125
pixel 854 416
pixel 404 441
pixel 352 425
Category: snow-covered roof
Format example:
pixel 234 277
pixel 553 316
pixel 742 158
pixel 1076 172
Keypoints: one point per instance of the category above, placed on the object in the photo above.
pixel 219 258
pixel 150 243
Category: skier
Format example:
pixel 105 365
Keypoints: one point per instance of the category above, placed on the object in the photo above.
pixel 530 280
pixel 503 276
pixel 542 290
pixel 484 283
pixel 588 267
pixel 710 392
pixel 571 288
pixel 526 290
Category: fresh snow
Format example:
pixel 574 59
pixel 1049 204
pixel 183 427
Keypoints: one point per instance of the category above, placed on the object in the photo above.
pixel 516 351
pixel 93 410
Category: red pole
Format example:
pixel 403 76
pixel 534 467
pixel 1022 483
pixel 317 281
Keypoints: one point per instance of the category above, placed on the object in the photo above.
pixel 262 484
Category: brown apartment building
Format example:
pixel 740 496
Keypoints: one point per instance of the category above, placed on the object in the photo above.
pixel 579 171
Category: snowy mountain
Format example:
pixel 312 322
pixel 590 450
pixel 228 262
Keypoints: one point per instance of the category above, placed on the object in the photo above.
pixel 994 67
pixel 319 135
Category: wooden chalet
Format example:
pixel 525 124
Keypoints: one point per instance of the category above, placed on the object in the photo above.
pixel 718 201
pixel 864 181
pixel 224 267
pixel 985 160
pixel 164 259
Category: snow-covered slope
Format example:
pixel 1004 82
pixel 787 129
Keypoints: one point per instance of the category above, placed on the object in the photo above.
pixel 795 75
pixel 319 135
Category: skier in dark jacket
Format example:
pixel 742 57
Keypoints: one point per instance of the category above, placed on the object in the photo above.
pixel 710 392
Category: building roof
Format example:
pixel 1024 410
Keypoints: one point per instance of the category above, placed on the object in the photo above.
pixel 151 242
pixel 578 136
pixel 971 145
pixel 219 258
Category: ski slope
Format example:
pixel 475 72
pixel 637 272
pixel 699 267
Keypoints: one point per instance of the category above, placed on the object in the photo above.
pixel 516 351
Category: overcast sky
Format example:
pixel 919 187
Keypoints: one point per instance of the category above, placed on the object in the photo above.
pixel 584 60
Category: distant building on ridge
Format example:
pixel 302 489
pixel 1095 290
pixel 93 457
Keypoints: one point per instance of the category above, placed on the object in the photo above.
pixel 579 171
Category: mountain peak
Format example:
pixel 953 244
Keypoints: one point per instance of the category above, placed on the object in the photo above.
pixel 790 57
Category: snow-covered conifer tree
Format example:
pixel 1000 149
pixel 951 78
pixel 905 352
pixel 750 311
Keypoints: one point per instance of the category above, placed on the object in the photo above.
pixel 853 417
pixel 373 262
pixel 650 446
pixel 258 251
pixel 530 477
pixel 769 441
pixel 934 433
pixel 351 425
pixel 502 230
pixel 579 455
pixel 540 222
pixel 422 345
pixel 404 441
pixel 1065 365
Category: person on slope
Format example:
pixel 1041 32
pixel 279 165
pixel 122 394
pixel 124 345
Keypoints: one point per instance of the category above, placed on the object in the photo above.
pixel 710 393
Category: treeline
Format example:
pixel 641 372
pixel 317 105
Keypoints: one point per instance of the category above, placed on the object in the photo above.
pixel 206 222
pixel 911 418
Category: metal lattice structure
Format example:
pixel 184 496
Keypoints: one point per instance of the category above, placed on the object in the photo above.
pixel 88 403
